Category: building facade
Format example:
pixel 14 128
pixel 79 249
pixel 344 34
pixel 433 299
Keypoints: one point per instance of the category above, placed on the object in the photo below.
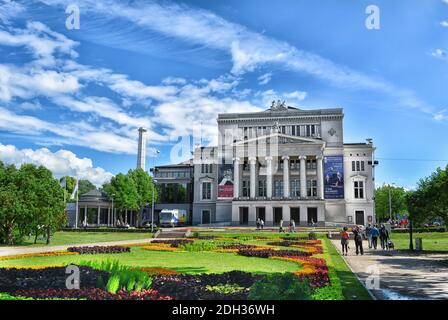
pixel 175 189
pixel 284 164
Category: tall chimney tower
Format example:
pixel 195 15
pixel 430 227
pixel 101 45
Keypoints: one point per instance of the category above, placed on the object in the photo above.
pixel 141 157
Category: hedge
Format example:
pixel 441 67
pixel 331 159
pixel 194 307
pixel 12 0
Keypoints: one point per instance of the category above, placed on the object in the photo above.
pixel 108 230
pixel 420 230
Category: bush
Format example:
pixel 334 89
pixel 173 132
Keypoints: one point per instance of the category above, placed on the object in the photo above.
pixel 312 235
pixel 198 246
pixel 143 230
pixel 420 230
pixel 99 249
pixel 280 287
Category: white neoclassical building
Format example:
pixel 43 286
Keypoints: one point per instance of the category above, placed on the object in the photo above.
pixel 284 164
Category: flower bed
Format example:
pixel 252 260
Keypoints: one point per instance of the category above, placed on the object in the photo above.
pixel 266 253
pixel 173 243
pixel 99 249
pixel 41 254
pixel 197 287
pixel 158 271
pixel 161 247
pixel 91 294
pixel 12 279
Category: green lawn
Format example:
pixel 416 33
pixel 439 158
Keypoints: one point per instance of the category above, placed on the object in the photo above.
pixel 352 289
pixel 188 262
pixel 66 238
pixel 432 241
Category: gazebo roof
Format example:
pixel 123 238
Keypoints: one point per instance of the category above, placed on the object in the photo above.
pixel 94 196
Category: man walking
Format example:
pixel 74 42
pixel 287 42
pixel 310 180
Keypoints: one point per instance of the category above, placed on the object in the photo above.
pixel 384 236
pixel 375 233
pixel 358 240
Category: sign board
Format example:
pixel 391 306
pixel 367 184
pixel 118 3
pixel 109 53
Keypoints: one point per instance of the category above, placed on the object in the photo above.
pixel 334 177
pixel 225 181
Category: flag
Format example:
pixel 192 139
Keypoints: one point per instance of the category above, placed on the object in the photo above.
pixel 64 182
pixel 74 190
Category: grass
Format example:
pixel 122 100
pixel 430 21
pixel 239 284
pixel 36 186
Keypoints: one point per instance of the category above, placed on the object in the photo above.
pixel 188 262
pixel 341 275
pixel 432 241
pixel 68 238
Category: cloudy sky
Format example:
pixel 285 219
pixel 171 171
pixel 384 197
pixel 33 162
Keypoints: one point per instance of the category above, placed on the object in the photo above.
pixel 73 99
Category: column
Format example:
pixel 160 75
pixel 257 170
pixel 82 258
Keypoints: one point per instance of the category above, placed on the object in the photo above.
pixel 99 216
pixel 85 215
pixel 302 176
pixel 253 163
pixel 108 216
pixel 269 177
pixel 286 192
pixel 320 178
pixel 236 178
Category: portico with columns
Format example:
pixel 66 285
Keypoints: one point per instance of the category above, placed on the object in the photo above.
pixel 276 173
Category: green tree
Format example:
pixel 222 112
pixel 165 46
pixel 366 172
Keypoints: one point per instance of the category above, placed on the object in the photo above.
pixel 70 186
pixel 12 205
pixel 31 202
pixel 145 186
pixel 45 200
pixel 85 186
pixel 124 192
pixel 398 201
pixel 430 200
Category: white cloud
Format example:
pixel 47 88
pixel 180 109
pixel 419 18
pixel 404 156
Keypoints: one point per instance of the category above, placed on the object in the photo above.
pixel 60 163
pixel 10 9
pixel 292 98
pixel 442 115
pixel 444 23
pixel 265 78
pixel 439 53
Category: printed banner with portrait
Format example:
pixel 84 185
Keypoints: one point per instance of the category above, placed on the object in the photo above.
pixel 334 177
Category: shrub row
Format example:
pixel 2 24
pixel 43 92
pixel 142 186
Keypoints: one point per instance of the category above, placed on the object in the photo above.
pixel 420 230
pixel 141 230
pixel 91 294
pixel 99 249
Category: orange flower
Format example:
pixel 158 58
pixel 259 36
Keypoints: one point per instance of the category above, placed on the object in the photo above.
pixel 41 254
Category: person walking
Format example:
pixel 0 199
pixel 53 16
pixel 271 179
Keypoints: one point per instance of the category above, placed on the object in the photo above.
pixel 344 241
pixel 293 226
pixel 375 233
pixel 384 236
pixel 258 224
pixel 261 224
pixel 281 226
pixel 358 240
pixel 369 235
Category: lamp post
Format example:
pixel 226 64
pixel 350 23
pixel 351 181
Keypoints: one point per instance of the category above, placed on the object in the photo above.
pixel 157 152
pixel 113 214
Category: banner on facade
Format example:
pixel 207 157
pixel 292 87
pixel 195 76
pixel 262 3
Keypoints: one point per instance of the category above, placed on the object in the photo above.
pixel 334 177
pixel 225 181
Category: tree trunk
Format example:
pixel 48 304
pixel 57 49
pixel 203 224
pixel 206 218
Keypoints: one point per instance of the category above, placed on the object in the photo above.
pixel 48 234
pixel 36 234
pixel 8 234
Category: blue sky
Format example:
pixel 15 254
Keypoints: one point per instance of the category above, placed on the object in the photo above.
pixel 73 99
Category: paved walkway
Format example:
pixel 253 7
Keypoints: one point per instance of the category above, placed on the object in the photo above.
pixel 402 275
pixel 7 251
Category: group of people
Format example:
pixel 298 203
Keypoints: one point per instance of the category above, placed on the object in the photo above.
pixel 291 226
pixel 371 232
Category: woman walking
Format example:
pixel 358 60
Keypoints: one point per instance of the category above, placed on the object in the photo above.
pixel 344 241
pixel 358 240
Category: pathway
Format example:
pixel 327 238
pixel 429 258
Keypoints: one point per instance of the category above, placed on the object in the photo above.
pixel 7 251
pixel 402 275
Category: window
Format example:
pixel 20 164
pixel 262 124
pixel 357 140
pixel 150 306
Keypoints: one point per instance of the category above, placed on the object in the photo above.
pixel 353 166
pixel 359 189
pixel 246 188
pixel 206 191
pixel 295 164
pixel 311 188
pixel 245 166
pixel 262 188
pixel 295 188
pixel 293 130
pixel 362 166
pixel 358 166
pixel 311 164
pixel 206 168
pixel 278 188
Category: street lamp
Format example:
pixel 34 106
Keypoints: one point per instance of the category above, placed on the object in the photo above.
pixel 157 152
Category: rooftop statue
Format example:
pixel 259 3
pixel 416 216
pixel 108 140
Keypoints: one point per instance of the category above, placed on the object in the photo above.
pixel 278 105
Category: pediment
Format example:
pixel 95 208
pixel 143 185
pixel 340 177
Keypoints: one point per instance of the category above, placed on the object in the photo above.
pixel 280 138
